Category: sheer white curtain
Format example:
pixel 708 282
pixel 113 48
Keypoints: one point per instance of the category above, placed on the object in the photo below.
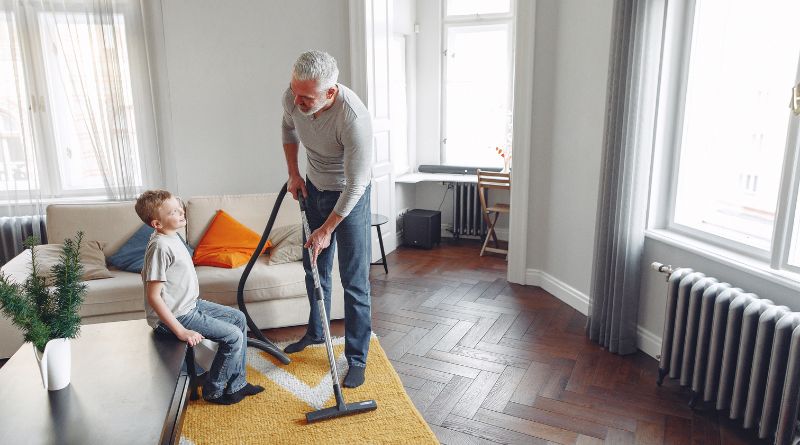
pixel 76 105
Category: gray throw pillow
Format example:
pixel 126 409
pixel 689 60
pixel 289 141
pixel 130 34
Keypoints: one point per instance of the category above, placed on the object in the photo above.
pixel 287 244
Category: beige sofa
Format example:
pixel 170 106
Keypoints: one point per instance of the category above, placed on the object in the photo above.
pixel 275 295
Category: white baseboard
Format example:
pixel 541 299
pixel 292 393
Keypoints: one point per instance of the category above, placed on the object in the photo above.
pixel 561 290
pixel 647 341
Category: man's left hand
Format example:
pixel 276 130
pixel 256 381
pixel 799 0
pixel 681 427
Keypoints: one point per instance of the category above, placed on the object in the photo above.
pixel 320 239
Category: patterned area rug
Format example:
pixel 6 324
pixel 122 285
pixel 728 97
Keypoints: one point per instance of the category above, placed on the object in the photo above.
pixel 277 415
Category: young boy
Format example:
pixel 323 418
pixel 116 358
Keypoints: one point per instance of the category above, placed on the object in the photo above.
pixel 173 307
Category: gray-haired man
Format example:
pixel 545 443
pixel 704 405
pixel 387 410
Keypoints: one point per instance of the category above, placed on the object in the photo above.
pixel 336 129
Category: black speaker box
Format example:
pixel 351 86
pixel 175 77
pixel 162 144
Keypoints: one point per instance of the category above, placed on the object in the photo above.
pixel 422 228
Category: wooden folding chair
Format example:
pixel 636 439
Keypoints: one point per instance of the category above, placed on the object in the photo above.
pixel 486 181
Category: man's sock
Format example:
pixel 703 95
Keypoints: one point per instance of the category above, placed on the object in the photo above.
pixel 228 399
pixel 355 377
pixel 251 390
pixel 300 345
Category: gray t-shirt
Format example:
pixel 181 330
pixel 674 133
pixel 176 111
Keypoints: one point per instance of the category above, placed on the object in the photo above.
pixel 338 144
pixel 167 259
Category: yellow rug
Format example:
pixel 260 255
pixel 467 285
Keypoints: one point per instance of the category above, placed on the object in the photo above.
pixel 278 415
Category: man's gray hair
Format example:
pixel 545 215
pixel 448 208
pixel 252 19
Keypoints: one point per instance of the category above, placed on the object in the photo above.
pixel 316 65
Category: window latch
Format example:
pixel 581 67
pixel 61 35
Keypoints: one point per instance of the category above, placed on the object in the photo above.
pixel 795 103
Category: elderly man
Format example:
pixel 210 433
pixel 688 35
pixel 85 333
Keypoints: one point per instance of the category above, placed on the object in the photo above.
pixel 336 129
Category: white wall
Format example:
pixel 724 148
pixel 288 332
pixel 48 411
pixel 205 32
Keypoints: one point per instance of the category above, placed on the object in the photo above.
pixel 571 65
pixel 224 69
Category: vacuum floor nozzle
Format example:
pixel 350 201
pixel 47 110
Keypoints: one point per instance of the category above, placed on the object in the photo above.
pixel 335 411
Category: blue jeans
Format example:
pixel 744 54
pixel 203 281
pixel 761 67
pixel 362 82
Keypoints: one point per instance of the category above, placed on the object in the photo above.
pixel 353 244
pixel 225 326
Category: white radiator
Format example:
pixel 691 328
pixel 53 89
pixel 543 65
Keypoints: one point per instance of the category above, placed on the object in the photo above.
pixel 736 351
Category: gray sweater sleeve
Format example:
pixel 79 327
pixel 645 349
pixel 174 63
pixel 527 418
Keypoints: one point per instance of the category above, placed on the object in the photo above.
pixel 288 132
pixel 357 141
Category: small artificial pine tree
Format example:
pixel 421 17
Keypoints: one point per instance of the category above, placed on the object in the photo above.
pixel 41 312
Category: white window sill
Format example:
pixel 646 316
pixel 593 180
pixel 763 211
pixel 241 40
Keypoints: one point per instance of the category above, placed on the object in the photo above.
pixel 739 262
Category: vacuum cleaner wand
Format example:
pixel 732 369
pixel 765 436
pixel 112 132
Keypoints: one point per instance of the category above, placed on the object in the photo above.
pixel 341 408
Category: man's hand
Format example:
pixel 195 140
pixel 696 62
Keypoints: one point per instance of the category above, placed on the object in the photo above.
pixel 191 337
pixel 296 183
pixel 320 239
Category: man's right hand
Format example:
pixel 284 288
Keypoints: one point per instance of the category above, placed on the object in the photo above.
pixel 191 337
pixel 296 183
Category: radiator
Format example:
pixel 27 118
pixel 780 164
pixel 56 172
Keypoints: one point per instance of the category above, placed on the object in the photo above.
pixel 734 350
pixel 13 232
pixel 467 213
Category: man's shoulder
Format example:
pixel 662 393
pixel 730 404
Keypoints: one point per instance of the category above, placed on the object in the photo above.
pixel 352 105
pixel 288 99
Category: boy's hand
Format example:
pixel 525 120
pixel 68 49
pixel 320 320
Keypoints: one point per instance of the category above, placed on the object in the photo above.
pixel 190 337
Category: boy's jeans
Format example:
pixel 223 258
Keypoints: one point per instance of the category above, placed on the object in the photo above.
pixel 353 244
pixel 225 326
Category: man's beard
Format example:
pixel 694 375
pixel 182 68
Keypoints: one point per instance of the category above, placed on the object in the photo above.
pixel 311 110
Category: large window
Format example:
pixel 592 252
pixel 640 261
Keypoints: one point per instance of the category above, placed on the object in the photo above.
pixel 69 83
pixel 478 39
pixel 733 137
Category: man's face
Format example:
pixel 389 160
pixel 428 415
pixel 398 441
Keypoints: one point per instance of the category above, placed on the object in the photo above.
pixel 307 96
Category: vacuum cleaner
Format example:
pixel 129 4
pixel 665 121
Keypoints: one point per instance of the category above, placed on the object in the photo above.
pixel 260 341
pixel 341 408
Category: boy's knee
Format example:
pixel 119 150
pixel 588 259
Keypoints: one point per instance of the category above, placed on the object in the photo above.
pixel 241 320
pixel 233 337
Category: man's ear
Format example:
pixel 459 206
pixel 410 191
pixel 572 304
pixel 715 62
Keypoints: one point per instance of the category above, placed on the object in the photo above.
pixel 330 93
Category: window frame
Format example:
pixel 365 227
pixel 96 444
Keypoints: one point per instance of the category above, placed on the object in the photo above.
pixel 459 21
pixel 37 102
pixel 672 89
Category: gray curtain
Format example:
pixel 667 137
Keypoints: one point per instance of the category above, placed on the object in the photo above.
pixel 627 149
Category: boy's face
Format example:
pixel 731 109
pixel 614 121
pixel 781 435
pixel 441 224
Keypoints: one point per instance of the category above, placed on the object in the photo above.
pixel 170 216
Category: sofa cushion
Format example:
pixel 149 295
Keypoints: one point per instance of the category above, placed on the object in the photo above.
pixel 110 223
pixel 265 282
pixel 124 292
pixel 251 210
pixel 130 257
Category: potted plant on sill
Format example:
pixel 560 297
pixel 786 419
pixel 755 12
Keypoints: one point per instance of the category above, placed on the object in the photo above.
pixel 48 316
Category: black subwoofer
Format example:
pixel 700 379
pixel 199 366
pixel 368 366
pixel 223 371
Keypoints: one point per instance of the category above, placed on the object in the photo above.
pixel 422 228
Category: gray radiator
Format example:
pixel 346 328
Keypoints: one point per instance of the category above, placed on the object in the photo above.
pixel 467 212
pixel 736 351
pixel 13 232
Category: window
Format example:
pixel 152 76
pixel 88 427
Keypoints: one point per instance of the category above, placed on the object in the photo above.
pixel 69 80
pixel 477 81
pixel 733 138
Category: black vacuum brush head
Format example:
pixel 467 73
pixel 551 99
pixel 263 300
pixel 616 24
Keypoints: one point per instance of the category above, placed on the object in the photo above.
pixel 334 411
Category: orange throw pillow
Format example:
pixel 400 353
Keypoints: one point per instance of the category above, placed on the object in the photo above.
pixel 227 243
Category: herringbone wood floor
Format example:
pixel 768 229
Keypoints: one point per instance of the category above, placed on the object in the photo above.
pixel 488 362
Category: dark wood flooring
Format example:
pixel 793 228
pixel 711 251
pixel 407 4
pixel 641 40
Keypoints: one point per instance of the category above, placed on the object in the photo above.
pixel 488 362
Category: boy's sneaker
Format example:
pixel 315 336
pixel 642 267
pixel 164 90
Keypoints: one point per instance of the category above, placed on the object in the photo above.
pixel 251 390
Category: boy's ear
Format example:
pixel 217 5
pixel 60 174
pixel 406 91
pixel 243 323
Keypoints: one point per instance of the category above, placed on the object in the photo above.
pixel 155 223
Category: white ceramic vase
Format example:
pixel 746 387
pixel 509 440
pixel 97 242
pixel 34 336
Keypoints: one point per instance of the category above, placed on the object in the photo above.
pixel 55 363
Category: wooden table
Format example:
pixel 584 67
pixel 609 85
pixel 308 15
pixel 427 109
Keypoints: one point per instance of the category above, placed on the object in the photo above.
pixel 127 387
